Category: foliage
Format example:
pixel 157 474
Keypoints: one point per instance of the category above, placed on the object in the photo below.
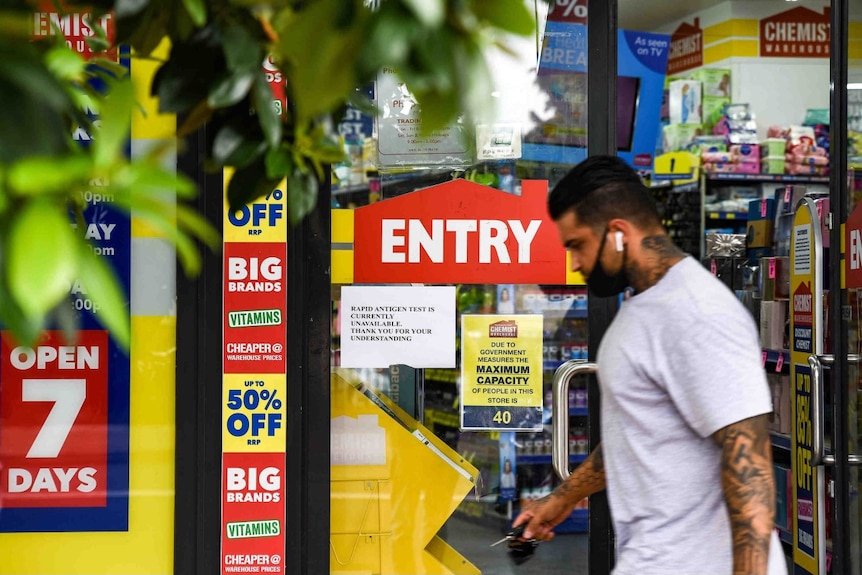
pixel 212 76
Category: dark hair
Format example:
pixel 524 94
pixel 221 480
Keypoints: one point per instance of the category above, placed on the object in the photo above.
pixel 600 189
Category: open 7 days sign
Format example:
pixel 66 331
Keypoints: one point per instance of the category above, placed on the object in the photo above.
pixel 61 466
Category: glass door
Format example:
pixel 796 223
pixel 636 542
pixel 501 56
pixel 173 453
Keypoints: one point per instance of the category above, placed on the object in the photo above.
pixel 425 475
pixel 846 317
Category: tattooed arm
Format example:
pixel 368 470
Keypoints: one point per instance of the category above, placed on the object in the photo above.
pixel 749 491
pixel 549 511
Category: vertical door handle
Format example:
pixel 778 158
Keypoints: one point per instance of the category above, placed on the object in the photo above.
pixel 560 411
pixel 818 432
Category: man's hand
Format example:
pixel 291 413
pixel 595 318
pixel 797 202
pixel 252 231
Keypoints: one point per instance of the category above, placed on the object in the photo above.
pixel 542 515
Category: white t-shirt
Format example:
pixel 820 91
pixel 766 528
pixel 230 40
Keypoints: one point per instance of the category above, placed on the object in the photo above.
pixel 679 362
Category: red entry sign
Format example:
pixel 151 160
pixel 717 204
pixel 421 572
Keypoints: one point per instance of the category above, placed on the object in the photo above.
pixel 459 232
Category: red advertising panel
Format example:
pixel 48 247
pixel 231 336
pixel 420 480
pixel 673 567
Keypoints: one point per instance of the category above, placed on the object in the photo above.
pixel 78 28
pixel 54 421
pixel 798 33
pixel 853 241
pixel 571 11
pixel 254 299
pixel 686 48
pixel 253 511
pixel 459 232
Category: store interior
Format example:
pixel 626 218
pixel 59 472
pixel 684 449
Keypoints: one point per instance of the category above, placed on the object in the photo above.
pixel 756 127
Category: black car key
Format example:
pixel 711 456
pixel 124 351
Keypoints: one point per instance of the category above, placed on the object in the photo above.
pixel 519 551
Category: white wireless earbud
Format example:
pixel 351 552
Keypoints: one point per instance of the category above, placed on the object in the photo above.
pixel 618 236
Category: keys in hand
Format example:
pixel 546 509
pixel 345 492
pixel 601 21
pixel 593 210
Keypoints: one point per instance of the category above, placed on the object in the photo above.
pixel 519 551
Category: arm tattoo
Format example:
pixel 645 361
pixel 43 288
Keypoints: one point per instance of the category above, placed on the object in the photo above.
pixel 587 479
pixel 749 491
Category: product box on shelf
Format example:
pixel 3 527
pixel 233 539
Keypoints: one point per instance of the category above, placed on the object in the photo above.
pixel 729 270
pixel 783 504
pixel 716 81
pixel 774 278
pixel 760 223
pixel 773 147
pixel 773 324
pixel 684 101
pixel 772 165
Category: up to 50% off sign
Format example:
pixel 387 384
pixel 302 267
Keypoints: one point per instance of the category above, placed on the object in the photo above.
pixel 254 414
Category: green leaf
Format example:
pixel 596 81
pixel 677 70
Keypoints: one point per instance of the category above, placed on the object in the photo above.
pixel 279 162
pixel 105 290
pixel 230 89
pixel 233 146
pixel 249 183
pixel 509 15
pixel 270 122
pixel 41 257
pixel 197 10
pixel 301 196
pixel 64 63
pixel 39 175
pixel 116 121
pixel 241 49
pixel 430 12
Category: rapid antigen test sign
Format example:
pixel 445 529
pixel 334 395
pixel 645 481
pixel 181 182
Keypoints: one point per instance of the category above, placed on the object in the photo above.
pixel 383 326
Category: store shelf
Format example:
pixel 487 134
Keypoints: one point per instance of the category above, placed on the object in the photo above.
pixel 727 215
pixel 776 360
pixel 574 313
pixel 554 364
pixel 766 178
pixel 546 459
pixel 785 536
pixel 780 440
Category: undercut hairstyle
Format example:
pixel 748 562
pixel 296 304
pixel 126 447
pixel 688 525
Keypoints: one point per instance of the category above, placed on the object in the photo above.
pixel 600 189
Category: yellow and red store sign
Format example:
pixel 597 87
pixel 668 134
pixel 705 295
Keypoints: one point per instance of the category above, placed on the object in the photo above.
pixel 458 232
pixel 686 48
pixel 797 33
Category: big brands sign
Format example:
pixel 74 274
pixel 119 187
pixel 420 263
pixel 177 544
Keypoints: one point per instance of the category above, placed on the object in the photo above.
pixel 459 232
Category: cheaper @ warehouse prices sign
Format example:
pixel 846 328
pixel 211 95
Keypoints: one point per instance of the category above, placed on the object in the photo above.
pixel 53 422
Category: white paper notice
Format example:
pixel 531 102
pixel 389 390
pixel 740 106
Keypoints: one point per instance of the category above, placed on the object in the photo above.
pixel 383 326
pixel 802 249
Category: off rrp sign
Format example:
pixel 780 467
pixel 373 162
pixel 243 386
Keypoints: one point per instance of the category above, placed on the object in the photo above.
pixel 797 33
pixel 459 232
pixel 686 48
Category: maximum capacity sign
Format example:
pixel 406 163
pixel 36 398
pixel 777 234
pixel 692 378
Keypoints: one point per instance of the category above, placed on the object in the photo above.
pixel 501 372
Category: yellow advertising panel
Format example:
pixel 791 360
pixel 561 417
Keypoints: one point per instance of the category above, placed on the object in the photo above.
pixel 501 367
pixel 264 220
pixel 254 413
pixel 393 486
pixel 806 320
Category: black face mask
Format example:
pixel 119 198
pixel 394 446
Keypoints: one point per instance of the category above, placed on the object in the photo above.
pixel 602 284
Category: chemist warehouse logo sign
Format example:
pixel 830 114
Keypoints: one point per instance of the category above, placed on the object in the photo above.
pixel 459 232
pixel 796 33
